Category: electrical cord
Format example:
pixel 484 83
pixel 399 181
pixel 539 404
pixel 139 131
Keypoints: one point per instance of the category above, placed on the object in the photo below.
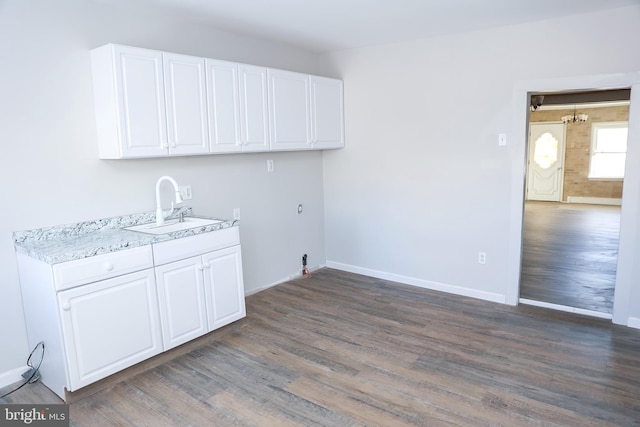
pixel 35 375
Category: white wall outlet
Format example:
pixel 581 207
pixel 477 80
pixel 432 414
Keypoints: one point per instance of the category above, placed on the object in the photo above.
pixel 482 257
pixel 185 192
pixel 236 213
pixel 502 139
pixel 300 208
pixel 270 167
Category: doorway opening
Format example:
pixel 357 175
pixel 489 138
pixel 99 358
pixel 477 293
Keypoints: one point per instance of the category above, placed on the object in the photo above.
pixel 572 201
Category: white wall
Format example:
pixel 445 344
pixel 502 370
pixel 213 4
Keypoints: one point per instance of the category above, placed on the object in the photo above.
pixel 422 185
pixel 50 169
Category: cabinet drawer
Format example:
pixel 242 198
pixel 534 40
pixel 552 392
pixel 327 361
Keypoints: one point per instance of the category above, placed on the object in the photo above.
pixel 99 267
pixel 199 244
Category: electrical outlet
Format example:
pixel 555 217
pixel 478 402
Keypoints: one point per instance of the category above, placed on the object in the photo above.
pixel 300 208
pixel 482 257
pixel 270 166
pixel 185 192
pixel 236 213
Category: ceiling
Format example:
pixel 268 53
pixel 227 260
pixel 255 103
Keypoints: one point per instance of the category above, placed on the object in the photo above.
pixel 329 25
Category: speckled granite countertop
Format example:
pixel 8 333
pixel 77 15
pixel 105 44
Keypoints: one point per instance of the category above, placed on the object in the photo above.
pixel 85 239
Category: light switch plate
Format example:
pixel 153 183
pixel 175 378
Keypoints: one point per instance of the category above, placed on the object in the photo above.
pixel 185 192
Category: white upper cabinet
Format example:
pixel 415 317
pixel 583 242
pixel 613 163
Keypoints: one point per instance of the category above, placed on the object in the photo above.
pixel 129 102
pixel 327 113
pixel 158 104
pixel 224 106
pixel 254 131
pixel 185 93
pixel 289 117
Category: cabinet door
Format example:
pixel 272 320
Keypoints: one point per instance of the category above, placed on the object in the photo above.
pixel 141 107
pixel 327 113
pixel 224 286
pixel 254 124
pixel 109 325
pixel 185 91
pixel 182 301
pixel 224 106
pixel 289 121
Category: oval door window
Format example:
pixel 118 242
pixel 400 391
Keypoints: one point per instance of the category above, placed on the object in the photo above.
pixel 545 153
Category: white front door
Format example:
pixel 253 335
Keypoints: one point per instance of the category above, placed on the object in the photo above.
pixel 545 172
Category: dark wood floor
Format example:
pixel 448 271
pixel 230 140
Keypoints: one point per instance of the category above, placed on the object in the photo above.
pixel 346 350
pixel 570 253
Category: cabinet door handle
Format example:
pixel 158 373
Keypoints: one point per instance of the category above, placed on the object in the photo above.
pixel 66 306
pixel 165 145
pixel 207 265
pixel 108 266
pixel 200 267
pixel 173 145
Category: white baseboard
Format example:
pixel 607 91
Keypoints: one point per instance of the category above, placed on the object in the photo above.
pixel 12 376
pixel 566 308
pixel 296 275
pixel 452 289
pixel 633 322
pixel 595 200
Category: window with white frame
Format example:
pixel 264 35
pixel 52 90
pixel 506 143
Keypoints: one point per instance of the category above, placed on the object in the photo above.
pixel 608 150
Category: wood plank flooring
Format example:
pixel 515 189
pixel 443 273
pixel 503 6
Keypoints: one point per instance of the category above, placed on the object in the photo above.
pixel 341 349
pixel 570 253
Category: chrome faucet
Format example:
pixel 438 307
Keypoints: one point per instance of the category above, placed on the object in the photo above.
pixel 160 214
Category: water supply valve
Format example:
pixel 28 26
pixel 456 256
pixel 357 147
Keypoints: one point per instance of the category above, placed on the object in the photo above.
pixel 305 269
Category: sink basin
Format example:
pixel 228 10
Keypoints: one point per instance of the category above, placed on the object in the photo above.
pixel 173 225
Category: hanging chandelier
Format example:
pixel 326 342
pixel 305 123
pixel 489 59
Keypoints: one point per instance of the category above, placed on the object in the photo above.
pixel 575 117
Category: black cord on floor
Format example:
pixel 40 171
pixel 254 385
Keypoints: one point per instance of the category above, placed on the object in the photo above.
pixel 35 374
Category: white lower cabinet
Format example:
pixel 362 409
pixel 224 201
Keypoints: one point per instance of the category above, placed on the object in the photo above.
pixel 102 314
pixel 181 300
pixel 109 325
pixel 199 294
pixel 224 287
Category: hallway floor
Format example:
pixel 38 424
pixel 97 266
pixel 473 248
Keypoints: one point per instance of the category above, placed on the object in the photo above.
pixel 570 254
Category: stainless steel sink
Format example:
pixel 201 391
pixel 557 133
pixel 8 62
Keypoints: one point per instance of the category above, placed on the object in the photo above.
pixel 173 225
